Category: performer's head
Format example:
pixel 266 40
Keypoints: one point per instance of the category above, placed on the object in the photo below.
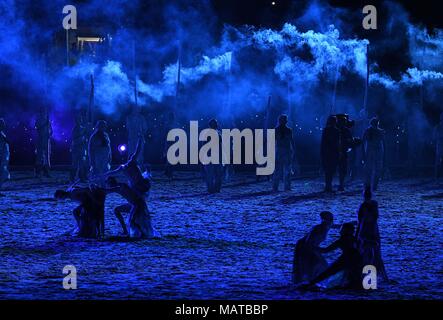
pixel 101 125
pixel 283 120
pixel 2 124
pixel 213 124
pixel 374 122
pixel 111 182
pixel 327 218
pixel 61 194
pixel 331 122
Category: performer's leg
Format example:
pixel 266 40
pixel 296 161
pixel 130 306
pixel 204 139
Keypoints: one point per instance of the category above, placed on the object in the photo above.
pixel 342 170
pixel 334 268
pixel 287 175
pixel 125 208
pixel 278 174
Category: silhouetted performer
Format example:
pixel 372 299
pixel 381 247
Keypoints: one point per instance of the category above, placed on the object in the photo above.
pixel 138 223
pixel 345 143
pixel 79 149
pixel 284 154
pixel 139 181
pixel 90 214
pixel 99 151
pixel 214 172
pixel 136 127
pixel 43 143
pixel 368 235
pixel 329 151
pixel 438 138
pixel 308 261
pixel 4 154
pixel 373 153
pixel 350 261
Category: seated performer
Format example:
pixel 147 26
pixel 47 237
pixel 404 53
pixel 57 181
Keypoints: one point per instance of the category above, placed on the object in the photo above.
pixel 138 181
pixel 349 261
pixel 368 235
pixel 308 261
pixel 90 214
pixel 139 219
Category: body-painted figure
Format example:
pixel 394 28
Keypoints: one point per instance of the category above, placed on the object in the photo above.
pixel 330 151
pixel 4 154
pixel 438 138
pixel 79 149
pixel 99 151
pixel 213 173
pixel 373 153
pixel 90 214
pixel 350 261
pixel 284 154
pixel 345 143
pixel 136 127
pixel 308 261
pixel 139 181
pixel 138 224
pixel 368 235
pixel 43 143
pixel 356 156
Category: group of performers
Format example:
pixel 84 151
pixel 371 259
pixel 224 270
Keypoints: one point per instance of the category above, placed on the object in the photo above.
pixel 91 164
pixel 359 247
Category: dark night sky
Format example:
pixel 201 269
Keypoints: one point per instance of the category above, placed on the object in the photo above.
pixel 263 13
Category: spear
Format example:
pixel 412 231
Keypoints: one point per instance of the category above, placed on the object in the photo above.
pixel 179 67
pixel 135 73
pixel 365 101
pixel 334 95
pixel 268 108
pixel 91 100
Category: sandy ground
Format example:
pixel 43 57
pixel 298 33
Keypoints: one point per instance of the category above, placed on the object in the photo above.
pixel 234 245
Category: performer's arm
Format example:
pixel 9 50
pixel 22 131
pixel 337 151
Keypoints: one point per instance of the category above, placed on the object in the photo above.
pixel 331 247
pixel 137 151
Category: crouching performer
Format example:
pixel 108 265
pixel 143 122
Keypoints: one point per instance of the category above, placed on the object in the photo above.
pixel 90 214
pixel 350 261
pixel 308 261
pixel 138 223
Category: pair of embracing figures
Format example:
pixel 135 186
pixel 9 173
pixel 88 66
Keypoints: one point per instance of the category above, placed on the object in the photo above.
pixel 90 213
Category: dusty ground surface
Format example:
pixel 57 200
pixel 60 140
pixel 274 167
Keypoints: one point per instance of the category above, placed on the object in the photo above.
pixel 234 245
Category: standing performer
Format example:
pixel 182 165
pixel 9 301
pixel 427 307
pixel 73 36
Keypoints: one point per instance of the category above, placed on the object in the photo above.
pixel 4 154
pixel 330 151
pixel 214 172
pixel 345 143
pixel 43 147
pixel 100 155
pixel 368 235
pixel 136 127
pixel 79 148
pixel 438 138
pixel 373 153
pixel 284 154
